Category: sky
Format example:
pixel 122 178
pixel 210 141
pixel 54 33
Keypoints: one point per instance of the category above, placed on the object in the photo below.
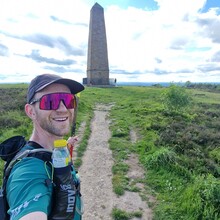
pixel 148 40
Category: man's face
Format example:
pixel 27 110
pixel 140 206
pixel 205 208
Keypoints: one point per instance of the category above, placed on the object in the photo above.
pixel 54 122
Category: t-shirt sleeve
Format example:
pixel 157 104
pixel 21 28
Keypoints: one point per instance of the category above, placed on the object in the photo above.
pixel 28 189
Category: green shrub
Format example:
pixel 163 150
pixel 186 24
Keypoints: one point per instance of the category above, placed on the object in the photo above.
pixel 120 168
pixel 119 214
pixel 8 122
pixel 120 183
pixel 201 199
pixel 176 98
pixel 215 155
pixel 160 158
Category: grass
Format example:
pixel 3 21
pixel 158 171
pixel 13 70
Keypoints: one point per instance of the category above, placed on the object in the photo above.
pixel 119 214
pixel 178 149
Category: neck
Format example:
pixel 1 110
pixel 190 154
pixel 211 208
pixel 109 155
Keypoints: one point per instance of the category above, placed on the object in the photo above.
pixel 45 139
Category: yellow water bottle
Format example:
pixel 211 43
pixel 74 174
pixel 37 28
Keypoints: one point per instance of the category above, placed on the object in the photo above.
pixel 60 156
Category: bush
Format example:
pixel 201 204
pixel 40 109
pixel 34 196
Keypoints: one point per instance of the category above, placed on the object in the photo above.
pixel 160 158
pixel 201 200
pixel 120 182
pixel 176 98
pixel 119 214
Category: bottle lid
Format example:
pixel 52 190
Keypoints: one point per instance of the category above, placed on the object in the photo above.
pixel 60 143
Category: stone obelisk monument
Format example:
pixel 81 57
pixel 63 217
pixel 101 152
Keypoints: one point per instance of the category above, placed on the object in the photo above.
pixel 97 57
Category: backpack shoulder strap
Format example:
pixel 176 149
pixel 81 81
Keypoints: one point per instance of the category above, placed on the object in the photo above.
pixel 38 153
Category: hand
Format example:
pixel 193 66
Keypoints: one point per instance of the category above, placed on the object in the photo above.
pixel 72 140
pixel 71 143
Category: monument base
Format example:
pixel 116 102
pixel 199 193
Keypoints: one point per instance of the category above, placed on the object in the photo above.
pixel 112 83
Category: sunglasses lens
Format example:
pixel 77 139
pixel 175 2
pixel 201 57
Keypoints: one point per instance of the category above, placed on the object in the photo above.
pixel 69 101
pixel 52 101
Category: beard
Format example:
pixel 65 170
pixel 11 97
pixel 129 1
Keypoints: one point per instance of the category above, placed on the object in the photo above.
pixel 58 128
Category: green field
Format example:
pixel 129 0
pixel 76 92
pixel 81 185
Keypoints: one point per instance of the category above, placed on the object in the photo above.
pixel 178 142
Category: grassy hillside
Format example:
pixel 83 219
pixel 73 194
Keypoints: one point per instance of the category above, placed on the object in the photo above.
pixel 178 147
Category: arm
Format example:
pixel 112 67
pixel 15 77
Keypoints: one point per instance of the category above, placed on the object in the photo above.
pixel 35 216
pixel 28 196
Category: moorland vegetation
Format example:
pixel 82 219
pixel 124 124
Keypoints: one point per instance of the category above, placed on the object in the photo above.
pixel 178 129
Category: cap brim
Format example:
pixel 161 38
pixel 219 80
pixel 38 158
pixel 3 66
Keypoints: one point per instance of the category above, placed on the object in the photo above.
pixel 73 85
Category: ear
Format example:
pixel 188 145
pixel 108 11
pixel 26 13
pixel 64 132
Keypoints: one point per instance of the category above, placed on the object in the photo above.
pixel 30 111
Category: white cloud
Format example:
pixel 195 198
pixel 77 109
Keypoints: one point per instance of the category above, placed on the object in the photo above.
pixel 174 43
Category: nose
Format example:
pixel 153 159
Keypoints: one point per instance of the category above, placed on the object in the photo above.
pixel 61 106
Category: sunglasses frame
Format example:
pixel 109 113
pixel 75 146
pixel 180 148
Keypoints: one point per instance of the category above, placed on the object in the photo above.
pixel 61 93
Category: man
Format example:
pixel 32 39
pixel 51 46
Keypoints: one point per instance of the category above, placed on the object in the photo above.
pixel 50 105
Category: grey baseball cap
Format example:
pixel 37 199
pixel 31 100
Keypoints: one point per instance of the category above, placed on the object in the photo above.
pixel 44 80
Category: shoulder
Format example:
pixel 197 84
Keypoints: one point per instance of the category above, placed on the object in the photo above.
pixel 29 169
pixel 27 190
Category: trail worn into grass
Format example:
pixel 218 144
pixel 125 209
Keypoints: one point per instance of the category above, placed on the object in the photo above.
pixel 96 175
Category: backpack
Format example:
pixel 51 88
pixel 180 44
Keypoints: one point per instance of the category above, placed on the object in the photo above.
pixel 17 148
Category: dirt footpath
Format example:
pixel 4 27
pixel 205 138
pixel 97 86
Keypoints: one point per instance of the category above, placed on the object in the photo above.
pixel 96 174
